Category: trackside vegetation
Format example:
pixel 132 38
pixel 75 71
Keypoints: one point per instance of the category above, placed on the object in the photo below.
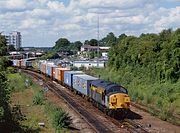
pixel 19 94
pixel 5 112
pixel 31 95
pixel 60 119
pixel 149 67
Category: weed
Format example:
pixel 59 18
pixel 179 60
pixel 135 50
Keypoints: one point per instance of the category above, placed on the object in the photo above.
pixel 38 98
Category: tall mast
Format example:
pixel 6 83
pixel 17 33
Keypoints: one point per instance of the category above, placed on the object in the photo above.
pixel 98 42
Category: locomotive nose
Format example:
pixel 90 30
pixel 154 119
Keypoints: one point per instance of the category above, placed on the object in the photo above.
pixel 119 101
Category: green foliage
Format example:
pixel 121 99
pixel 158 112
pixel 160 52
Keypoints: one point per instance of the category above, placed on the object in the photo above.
pixel 109 40
pixel 15 78
pixel 11 48
pixel 4 96
pixel 149 66
pixel 73 68
pixel 1 112
pixel 4 63
pixel 93 42
pixel 76 46
pixel 11 70
pixel 50 55
pixel 3 46
pixel 158 53
pixel 62 44
pixel 38 98
pixel 60 119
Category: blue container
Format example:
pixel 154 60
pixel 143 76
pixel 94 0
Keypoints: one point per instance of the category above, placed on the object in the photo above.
pixel 49 69
pixel 82 83
pixel 68 75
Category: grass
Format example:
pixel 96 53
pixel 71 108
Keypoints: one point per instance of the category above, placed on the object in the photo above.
pixel 24 98
pixel 19 82
pixel 164 97
pixel 34 108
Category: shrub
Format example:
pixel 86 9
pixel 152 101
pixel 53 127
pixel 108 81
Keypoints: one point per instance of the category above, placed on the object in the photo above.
pixel 38 98
pixel 11 70
pixel 74 68
pixel 61 119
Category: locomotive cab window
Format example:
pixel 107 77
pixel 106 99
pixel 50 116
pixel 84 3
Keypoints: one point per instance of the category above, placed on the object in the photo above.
pixel 117 89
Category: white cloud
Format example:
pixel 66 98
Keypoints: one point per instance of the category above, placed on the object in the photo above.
pixel 169 19
pixel 51 19
pixel 55 5
pixel 32 24
pixel 40 13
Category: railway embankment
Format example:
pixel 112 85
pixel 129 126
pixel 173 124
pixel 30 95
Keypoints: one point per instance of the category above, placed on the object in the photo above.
pixel 32 111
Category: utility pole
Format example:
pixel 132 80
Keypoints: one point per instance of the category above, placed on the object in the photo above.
pixel 98 42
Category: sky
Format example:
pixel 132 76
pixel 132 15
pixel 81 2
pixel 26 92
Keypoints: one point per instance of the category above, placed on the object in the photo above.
pixel 43 22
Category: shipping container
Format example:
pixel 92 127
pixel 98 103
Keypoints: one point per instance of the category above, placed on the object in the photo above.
pixel 81 83
pixel 43 67
pixel 49 69
pixel 22 62
pixel 19 63
pixel 68 75
pixel 59 73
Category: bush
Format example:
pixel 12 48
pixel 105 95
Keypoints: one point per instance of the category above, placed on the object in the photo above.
pixel 38 98
pixel 11 70
pixel 61 119
pixel 21 79
pixel 74 68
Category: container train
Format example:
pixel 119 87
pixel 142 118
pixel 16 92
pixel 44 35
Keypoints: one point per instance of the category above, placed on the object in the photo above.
pixel 107 96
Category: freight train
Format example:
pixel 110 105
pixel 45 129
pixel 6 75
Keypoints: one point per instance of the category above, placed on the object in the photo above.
pixel 106 95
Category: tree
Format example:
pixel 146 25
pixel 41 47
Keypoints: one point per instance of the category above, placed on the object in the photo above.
pixel 78 45
pixel 3 46
pixel 109 40
pixel 93 42
pixel 122 36
pixel 11 48
pixel 86 42
pixel 62 45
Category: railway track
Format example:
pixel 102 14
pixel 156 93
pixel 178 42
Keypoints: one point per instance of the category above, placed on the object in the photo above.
pixel 88 113
pixel 97 125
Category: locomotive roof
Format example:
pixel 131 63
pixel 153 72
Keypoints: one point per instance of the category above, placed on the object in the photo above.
pixel 108 86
